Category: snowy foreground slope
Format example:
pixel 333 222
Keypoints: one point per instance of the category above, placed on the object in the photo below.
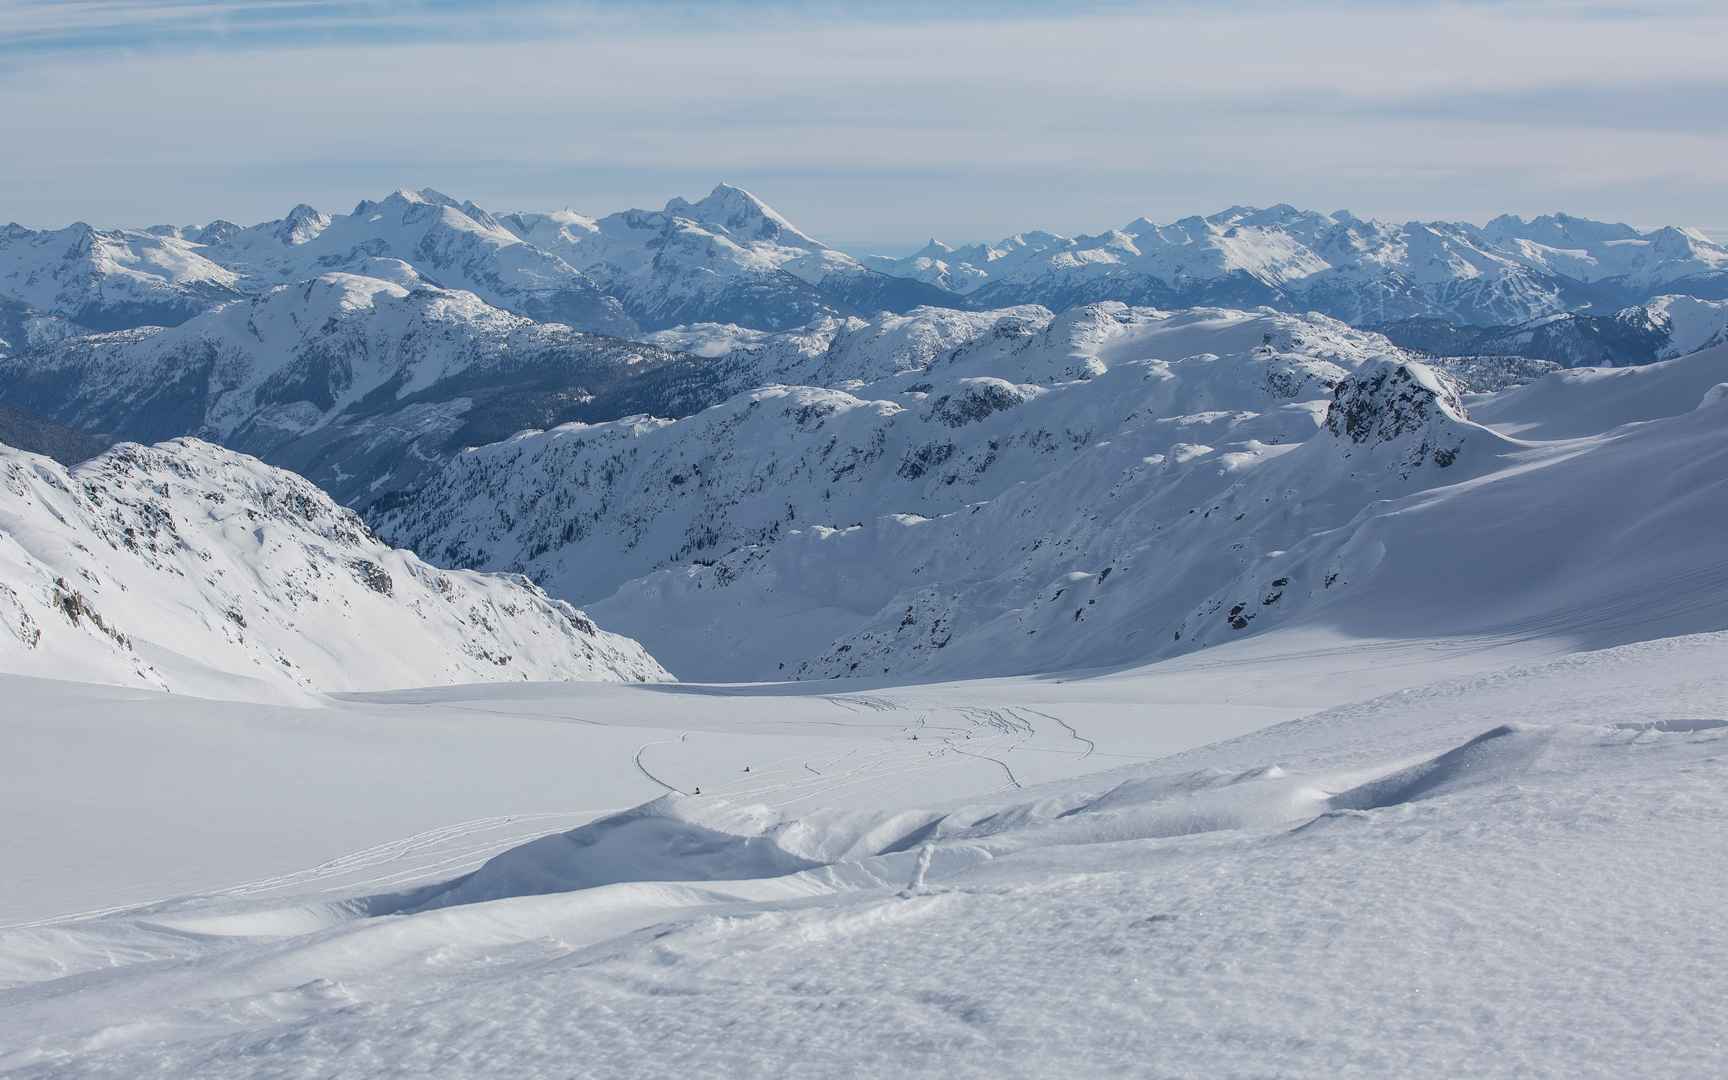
pixel 1501 869
pixel 192 568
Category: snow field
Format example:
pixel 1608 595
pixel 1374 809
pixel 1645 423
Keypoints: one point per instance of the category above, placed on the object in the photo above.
pixel 1497 873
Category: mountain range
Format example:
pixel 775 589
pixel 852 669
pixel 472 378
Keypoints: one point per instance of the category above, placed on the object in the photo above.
pixel 730 258
pixel 1361 270
pixel 972 462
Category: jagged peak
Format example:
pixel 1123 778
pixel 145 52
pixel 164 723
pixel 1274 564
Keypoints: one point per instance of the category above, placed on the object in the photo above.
pixel 301 224
pixel 740 213
pixel 436 197
pixel 1031 238
pixel 400 198
pixel 216 232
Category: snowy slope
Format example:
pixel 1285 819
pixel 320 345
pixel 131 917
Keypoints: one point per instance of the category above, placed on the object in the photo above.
pixel 1687 323
pixel 1588 401
pixel 359 381
pixel 1540 832
pixel 188 567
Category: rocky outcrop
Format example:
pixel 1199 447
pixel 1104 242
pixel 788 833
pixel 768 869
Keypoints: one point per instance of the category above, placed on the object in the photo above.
pixel 1400 411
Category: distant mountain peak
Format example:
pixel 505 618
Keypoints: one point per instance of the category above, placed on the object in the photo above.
pixel 741 214
pixel 433 195
pixel 302 224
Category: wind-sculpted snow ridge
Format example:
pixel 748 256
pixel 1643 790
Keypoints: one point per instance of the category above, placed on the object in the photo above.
pixel 360 381
pixel 187 567
pixel 1586 401
pixel 682 839
pixel 1602 539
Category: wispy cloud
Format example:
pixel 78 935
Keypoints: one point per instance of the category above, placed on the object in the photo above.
pixel 866 122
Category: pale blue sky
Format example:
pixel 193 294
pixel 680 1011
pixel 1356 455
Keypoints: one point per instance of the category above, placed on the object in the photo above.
pixel 876 125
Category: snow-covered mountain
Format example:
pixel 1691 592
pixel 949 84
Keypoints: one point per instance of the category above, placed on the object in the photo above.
pixel 1399 506
pixel 645 515
pixel 1662 329
pixel 161 276
pixel 356 380
pixel 188 567
pixel 1685 324
pixel 725 258
pixel 1102 488
pixel 1361 270
pixel 449 244
pixel 729 258
pixel 103 279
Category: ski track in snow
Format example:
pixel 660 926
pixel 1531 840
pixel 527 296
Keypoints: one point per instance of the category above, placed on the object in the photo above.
pixel 643 769
pixel 1079 738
